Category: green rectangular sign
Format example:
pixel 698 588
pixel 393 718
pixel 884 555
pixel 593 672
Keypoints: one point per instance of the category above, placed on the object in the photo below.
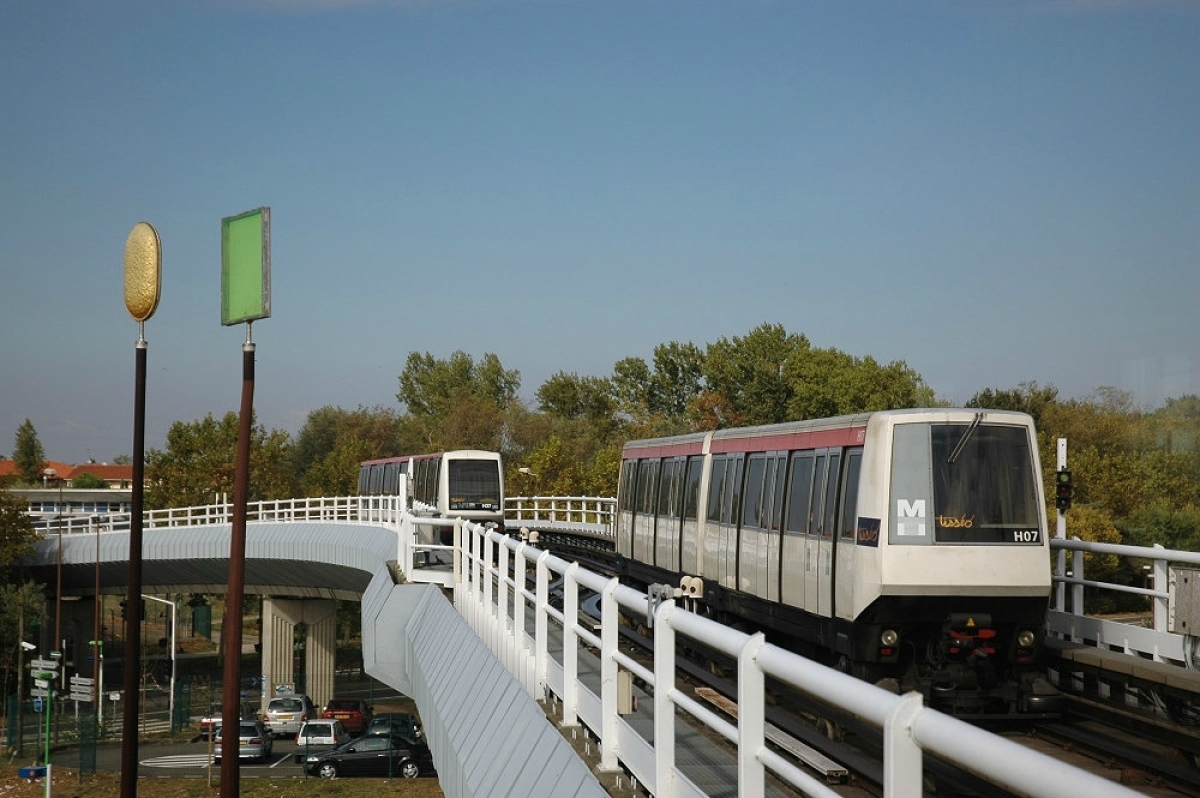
pixel 246 266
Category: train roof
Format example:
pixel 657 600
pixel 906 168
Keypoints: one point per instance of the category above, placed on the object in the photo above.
pixel 848 430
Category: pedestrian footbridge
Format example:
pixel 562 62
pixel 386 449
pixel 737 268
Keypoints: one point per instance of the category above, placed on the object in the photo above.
pixel 472 632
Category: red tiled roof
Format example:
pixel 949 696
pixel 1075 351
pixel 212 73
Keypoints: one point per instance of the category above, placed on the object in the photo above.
pixel 106 471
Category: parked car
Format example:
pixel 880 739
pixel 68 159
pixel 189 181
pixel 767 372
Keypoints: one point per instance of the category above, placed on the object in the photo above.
pixel 285 714
pixel 404 725
pixel 354 713
pixel 372 756
pixel 212 720
pixel 254 742
pixel 318 736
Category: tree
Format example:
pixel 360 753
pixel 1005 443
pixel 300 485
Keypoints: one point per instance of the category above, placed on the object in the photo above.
pixel 28 455
pixel 746 375
pixel 333 443
pixel 451 402
pixel 86 481
pixel 1027 397
pixel 17 534
pixel 199 462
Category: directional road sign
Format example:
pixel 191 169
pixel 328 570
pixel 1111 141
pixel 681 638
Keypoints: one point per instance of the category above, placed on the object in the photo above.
pixel 82 681
pixel 38 692
pixel 43 665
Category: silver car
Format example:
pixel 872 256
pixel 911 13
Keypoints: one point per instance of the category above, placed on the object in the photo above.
pixel 285 714
pixel 254 742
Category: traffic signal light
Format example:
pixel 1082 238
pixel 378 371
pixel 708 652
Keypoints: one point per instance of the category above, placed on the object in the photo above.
pixel 124 610
pixel 1062 490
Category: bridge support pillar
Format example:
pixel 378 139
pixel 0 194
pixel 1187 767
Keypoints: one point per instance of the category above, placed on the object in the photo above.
pixel 279 620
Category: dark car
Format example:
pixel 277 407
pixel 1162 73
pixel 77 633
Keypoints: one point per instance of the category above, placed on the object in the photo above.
pixel 403 725
pixel 372 756
pixel 354 713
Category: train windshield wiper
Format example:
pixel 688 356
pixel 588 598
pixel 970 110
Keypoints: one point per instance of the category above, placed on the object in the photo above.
pixel 966 436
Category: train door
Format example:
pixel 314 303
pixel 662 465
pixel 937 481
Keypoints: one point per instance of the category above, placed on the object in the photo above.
pixel 792 546
pixel 773 486
pixel 752 544
pixel 827 537
pixel 710 549
pixel 626 490
pixel 730 509
pixel 666 529
pixel 644 507
pixel 812 534
pixel 690 526
pixel 845 561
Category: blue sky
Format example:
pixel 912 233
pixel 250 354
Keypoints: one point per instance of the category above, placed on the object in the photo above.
pixel 994 192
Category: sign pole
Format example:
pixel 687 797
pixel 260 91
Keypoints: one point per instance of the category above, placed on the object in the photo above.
pixel 143 281
pixel 245 297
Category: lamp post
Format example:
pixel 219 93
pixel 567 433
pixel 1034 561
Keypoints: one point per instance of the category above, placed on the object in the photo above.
pixel 57 652
pixel 171 699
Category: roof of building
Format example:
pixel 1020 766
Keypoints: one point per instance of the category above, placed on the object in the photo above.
pixel 110 472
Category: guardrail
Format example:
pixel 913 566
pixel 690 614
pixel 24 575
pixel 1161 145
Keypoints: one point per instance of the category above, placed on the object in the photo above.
pixel 1067 619
pixel 331 509
pixel 591 515
pixel 494 598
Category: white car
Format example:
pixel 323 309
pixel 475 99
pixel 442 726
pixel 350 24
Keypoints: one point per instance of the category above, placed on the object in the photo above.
pixel 318 736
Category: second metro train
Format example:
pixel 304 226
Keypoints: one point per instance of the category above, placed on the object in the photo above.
pixel 907 547
pixel 466 483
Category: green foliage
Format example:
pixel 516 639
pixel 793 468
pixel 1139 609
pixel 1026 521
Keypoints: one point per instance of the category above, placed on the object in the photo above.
pixel 198 465
pixel 86 481
pixel 17 534
pixel 28 456
pixel 333 442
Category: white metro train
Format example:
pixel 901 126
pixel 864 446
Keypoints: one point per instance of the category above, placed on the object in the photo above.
pixel 907 547
pixel 466 483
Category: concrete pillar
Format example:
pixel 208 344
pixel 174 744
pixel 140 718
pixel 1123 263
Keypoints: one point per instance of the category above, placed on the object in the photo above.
pixel 279 619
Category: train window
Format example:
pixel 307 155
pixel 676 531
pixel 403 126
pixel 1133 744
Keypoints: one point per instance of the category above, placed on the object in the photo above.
pixel 668 504
pixel 799 493
pixel 647 480
pixel 831 492
pixel 473 484
pixel 775 479
pixel 989 488
pixel 850 494
pixel 716 488
pixel 691 488
pixel 731 503
pixel 753 491
pixel 626 486
pixel 815 515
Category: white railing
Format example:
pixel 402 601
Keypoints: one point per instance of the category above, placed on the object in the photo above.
pixel 1157 641
pixel 592 515
pixel 336 509
pixel 493 597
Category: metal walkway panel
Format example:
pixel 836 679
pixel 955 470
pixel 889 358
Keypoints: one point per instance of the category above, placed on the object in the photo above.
pixel 488 736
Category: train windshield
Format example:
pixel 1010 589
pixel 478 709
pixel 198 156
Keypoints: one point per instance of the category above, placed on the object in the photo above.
pixel 474 484
pixel 984 484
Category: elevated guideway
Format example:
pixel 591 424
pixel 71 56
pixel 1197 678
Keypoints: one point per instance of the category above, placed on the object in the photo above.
pixel 477 673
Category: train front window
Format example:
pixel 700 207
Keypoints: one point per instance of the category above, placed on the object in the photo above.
pixel 474 485
pixel 984 488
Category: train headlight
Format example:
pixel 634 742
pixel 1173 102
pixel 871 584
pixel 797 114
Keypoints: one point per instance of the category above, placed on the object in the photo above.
pixel 888 638
pixel 1026 638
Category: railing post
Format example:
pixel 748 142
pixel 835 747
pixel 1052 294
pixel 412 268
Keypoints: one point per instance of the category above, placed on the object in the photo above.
pixel 570 653
pixel 609 641
pixel 1077 589
pixel 520 604
pixel 540 630
pixel 751 718
pixel 1161 603
pixel 902 767
pixel 664 706
pixel 502 585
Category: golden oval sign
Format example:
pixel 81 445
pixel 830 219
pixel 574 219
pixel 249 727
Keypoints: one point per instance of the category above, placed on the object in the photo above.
pixel 143 277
